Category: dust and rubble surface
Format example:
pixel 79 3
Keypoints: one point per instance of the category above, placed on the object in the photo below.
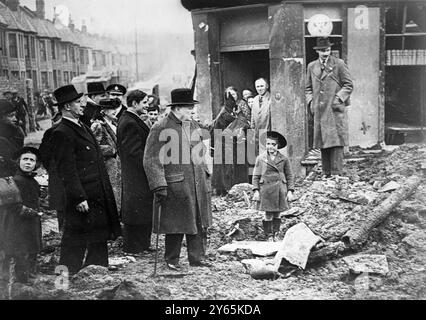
pixel 329 207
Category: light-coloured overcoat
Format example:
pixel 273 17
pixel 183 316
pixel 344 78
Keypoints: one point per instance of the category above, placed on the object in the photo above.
pixel 322 87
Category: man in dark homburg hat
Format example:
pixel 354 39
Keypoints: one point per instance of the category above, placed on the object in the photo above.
pixel 136 208
pixel 95 92
pixel 328 89
pixel 118 91
pixel 91 216
pixel 180 183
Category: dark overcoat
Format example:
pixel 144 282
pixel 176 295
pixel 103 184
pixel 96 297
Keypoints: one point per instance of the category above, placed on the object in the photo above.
pixel 273 178
pixel 81 169
pixel 322 86
pixel 12 140
pixel 56 189
pixel 23 228
pixel 174 158
pixel 132 134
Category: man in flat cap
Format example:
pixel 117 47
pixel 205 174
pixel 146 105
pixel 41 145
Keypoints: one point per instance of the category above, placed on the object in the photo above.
pixel 91 217
pixel 117 91
pixel 328 89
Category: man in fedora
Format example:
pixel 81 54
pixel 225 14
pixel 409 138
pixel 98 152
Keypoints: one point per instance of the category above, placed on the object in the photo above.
pixel 95 92
pixel 179 181
pixel 91 217
pixel 117 91
pixel 328 89
pixel 136 208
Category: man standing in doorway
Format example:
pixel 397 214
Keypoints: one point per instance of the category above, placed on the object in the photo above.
pixel 328 89
pixel 136 208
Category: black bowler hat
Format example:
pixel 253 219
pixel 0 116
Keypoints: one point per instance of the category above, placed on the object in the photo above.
pixel 117 89
pixel 6 107
pixel 323 43
pixel 66 94
pixel 109 103
pixel 26 149
pixel 182 96
pixel 95 88
pixel 282 142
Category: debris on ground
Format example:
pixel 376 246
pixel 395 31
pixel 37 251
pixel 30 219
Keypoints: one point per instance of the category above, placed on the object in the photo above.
pixel 329 207
pixel 367 263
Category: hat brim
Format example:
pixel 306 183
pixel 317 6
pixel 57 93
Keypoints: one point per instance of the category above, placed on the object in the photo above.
pixel 96 92
pixel 282 142
pixel 186 103
pixel 24 150
pixel 323 47
pixel 78 96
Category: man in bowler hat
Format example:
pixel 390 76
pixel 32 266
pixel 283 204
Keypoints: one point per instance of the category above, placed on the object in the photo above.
pixel 181 185
pixel 91 217
pixel 95 92
pixel 328 89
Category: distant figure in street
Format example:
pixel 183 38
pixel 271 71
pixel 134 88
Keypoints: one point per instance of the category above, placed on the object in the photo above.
pixel 328 89
pixel 21 110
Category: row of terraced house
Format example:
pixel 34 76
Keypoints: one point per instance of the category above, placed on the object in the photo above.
pixel 51 54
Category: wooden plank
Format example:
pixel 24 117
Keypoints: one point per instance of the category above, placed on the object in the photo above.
pixel 263 46
pixel 287 65
pixel 207 59
pixel 382 75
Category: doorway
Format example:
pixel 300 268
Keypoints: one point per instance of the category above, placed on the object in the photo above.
pixel 242 68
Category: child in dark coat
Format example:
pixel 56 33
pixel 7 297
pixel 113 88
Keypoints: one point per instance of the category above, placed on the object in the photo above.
pixel 273 183
pixel 23 225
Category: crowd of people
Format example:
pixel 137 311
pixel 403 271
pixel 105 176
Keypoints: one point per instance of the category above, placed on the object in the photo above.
pixel 120 165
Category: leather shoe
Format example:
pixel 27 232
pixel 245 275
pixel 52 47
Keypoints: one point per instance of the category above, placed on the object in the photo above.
pixel 149 250
pixel 200 264
pixel 174 267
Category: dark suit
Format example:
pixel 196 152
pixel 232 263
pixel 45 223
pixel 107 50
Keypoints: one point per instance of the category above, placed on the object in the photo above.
pixel 121 112
pixel 56 190
pixel 81 169
pixel 136 209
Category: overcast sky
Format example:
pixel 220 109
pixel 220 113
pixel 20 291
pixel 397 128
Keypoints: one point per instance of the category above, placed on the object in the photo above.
pixel 117 16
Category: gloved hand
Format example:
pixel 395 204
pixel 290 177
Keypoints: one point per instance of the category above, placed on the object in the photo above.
pixel 160 195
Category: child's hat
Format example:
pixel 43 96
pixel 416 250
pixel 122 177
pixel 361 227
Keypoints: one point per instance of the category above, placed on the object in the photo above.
pixel 282 142
pixel 27 149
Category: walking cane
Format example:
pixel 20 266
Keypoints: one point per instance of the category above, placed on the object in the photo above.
pixel 157 219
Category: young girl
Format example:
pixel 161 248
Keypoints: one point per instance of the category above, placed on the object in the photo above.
pixel 23 229
pixel 273 183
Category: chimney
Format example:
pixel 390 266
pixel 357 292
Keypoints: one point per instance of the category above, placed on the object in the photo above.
pixel 84 27
pixel 40 9
pixel 71 24
pixel 13 4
